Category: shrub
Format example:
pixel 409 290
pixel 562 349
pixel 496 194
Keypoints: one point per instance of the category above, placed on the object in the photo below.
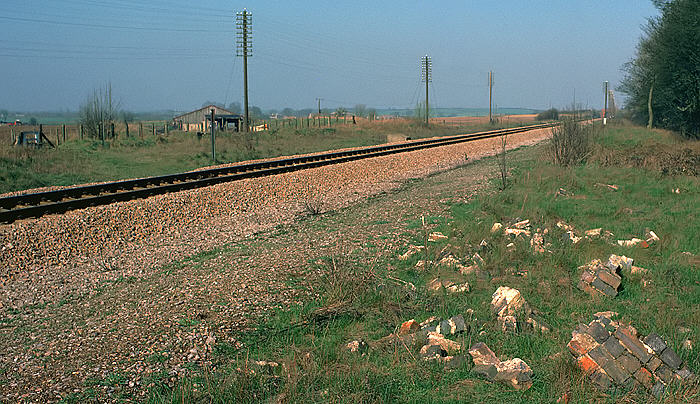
pixel 571 142
pixel 550 114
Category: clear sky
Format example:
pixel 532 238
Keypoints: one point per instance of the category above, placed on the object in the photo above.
pixel 177 54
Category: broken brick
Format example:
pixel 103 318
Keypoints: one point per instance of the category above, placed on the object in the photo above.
pixel 613 346
pixel 644 377
pixel 672 359
pixel 655 342
pixel 633 345
pixel 629 363
pixel 587 364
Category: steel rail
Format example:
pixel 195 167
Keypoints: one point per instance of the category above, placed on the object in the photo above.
pixel 40 203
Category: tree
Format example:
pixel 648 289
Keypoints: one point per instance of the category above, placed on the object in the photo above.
pixel 360 109
pixel 255 112
pixel 235 108
pixel 288 112
pixel 371 114
pixel 3 114
pixel 341 112
pixel 33 121
pixel 663 80
pixel 99 110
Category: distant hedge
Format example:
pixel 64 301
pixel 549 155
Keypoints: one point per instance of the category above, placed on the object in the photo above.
pixel 548 115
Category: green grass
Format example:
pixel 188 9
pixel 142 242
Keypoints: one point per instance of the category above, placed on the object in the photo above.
pixel 307 339
pixel 82 161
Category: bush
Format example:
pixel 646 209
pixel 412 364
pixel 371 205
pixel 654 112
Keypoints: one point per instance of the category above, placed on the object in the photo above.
pixel 571 142
pixel 551 114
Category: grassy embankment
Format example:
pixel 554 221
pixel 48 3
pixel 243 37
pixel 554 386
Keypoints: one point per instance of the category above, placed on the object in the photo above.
pixel 359 300
pixel 82 161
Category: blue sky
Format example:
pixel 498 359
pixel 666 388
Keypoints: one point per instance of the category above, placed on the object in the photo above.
pixel 162 54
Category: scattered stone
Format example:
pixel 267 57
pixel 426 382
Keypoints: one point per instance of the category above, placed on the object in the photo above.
pixel 611 354
pixel 409 327
pixel 522 224
pixel 564 226
pixel 632 242
pixel 429 322
pixel 468 270
pixel 510 247
pixel 451 287
pixel 561 192
pixel 496 227
pixel 638 270
pixel 436 338
pixel 357 346
pixel 571 237
pixel 597 278
pixel 608 186
pixel 616 262
pixel 651 237
pixel 436 236
pixel 594 232
pixel 484 246
pixel 422 264
pixel 687 345
pixel 537 243
pixel 518 232
pixel 432 352
pixel 412 250
pixel 513 372
pixel 476 258
pixel 264 367
pixel 676 190
pixel 458 288
pixel 450 261
pixel 512 311
pixel 453 325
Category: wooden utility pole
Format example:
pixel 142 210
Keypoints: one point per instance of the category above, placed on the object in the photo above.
pixel 605 110
pixel 426 68
pixel 490 96
pixel 244 49
pixel 319 105
pixel 213 150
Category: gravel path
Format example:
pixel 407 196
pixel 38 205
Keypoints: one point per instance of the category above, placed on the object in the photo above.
pixel 97 293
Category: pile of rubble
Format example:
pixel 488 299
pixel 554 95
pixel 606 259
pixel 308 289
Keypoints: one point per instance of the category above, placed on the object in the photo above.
pixel 612 354
pixel 513 313
pixel 604 279
pixel 513 372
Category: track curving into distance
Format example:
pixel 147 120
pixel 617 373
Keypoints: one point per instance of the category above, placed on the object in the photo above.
pixel 41 203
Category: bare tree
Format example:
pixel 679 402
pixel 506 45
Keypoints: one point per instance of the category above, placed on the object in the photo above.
pixel 98 111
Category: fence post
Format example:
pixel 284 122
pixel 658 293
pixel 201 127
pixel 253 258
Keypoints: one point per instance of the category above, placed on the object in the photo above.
pixel 165 128
pixel 102 133
pixel 126 124
pixel 112 129
pixel 64 133
pixel 81 131
pixel 141 130
pixel 153 127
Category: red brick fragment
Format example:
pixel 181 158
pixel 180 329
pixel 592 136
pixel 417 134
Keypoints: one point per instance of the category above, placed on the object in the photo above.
pixel 587 364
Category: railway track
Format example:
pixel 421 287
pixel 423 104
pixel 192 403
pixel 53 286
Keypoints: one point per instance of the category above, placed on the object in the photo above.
pixel 41 203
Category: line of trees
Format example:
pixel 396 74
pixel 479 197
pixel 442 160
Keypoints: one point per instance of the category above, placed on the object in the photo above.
pixel 663 79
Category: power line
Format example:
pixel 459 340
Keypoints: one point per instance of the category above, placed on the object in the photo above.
pixel 106 26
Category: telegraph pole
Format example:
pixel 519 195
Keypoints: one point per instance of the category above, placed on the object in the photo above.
pixel 490 95
pixel 213 150
pixel 244 48
pixel 426 69
pixel 605 110
pixel 319 105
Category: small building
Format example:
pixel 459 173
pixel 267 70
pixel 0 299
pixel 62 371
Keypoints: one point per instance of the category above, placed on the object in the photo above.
pixel 198 120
